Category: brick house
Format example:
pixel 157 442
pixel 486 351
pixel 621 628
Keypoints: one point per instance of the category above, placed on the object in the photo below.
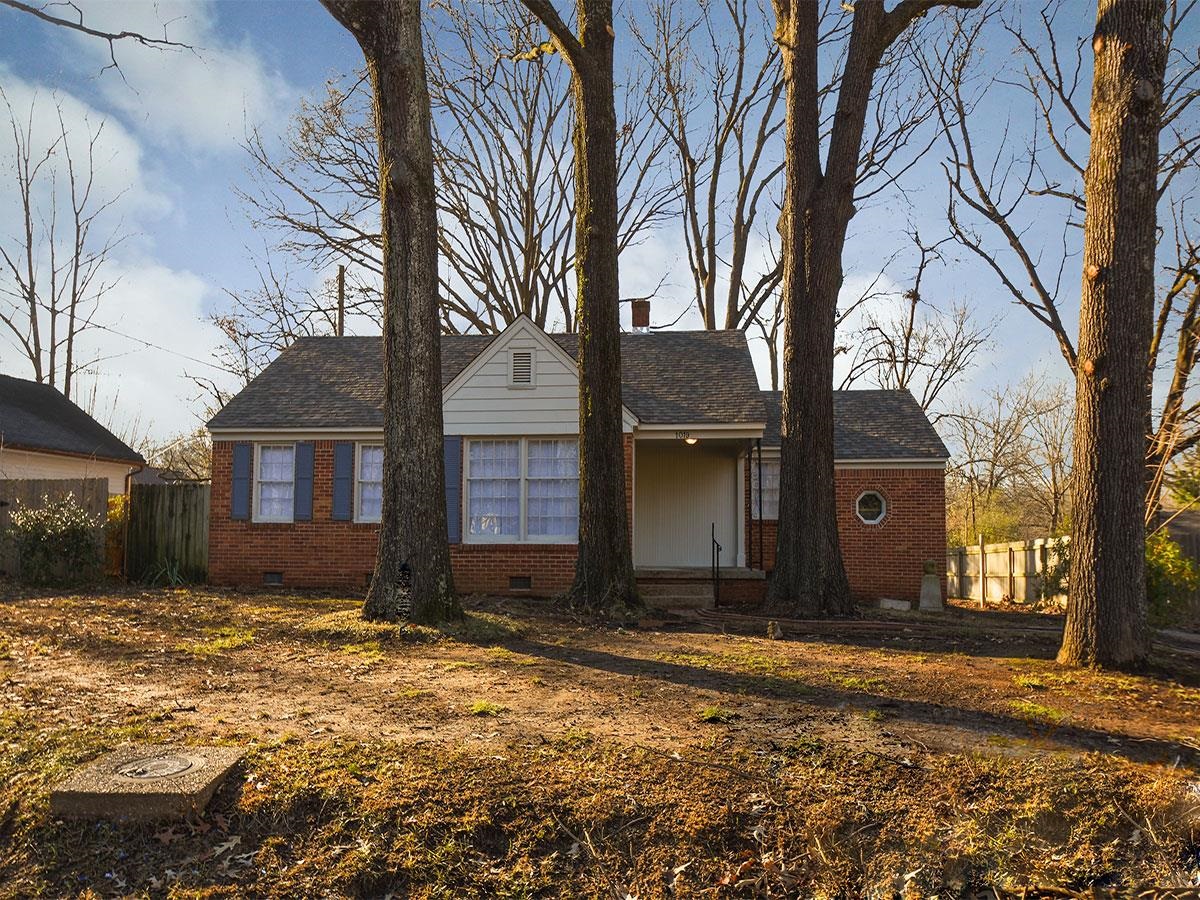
pixel 297 461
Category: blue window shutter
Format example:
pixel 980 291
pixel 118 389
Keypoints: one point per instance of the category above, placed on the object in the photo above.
pixel 343 481
pixel 239 493
pixel 304 482
pixel 452 447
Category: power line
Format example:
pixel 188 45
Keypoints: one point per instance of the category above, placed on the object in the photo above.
pixel 153 346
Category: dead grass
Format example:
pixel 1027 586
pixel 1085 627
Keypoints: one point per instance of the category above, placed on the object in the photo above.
pixel 522 754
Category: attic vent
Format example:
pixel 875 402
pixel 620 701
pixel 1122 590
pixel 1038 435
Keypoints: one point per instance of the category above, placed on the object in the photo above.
pixel 521 374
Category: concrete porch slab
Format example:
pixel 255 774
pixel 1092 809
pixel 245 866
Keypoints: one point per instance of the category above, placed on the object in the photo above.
pixel 144 783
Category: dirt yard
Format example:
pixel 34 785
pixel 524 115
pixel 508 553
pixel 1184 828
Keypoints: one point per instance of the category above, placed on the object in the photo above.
pixel 525 753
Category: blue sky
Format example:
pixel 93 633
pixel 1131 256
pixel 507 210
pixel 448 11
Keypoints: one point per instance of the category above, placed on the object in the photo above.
pixel 173 129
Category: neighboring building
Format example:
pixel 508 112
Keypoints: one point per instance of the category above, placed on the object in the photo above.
pixel 45 435
pixel 297 461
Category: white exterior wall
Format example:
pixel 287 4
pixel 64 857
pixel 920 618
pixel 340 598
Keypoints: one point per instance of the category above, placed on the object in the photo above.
pixel 480 401
pixel 26 464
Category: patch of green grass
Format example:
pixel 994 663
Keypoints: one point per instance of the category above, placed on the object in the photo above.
pixel 504 655
pixel 857 683
pixel 1037 713
pixel 221 640
pixel 369 652
pixel 1030 682
pixel 456 665
pixel 485 708
pixel 484 628
pixel 347 626
pixel 716 715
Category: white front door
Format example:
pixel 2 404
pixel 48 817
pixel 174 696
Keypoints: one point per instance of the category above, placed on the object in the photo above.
pixel 680 492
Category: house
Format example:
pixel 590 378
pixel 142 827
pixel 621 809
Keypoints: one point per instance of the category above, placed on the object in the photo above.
pixel 45 435
pixel 297 462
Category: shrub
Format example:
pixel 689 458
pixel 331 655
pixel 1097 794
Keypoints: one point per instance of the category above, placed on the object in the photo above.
pixel 1171 578
pixel 58 542
pixel 114 534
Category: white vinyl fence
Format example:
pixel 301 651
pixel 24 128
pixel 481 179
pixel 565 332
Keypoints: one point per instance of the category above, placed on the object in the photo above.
pixel 997 572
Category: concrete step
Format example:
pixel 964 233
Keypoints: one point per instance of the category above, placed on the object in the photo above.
pixel 675 588
pixel 678 601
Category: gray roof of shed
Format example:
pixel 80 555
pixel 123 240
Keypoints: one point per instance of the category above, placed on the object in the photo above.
pixel 668 377
pixel 36 416
pixel 870 425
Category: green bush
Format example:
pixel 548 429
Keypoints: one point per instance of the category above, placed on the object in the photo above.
pixel 1171 578
pixel 58 542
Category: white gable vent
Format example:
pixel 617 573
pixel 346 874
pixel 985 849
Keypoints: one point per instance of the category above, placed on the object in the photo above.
pixel 520 373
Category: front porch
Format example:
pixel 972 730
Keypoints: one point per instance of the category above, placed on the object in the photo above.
pixel 693 587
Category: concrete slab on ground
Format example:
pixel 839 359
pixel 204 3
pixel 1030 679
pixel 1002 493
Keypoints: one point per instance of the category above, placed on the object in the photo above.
pixel 144 783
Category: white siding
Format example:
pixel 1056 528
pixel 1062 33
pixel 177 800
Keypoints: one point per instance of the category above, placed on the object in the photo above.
pixel 481 402
pixel 680 492
pixel 23 464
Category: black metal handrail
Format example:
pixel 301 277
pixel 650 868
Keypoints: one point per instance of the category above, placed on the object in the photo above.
pixel 716 566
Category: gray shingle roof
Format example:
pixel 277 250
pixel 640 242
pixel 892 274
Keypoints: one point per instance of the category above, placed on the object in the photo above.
pixel 684 377
pixel 36 416
pixel 870 425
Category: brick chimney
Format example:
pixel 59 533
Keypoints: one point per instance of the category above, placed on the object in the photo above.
pixel 641 315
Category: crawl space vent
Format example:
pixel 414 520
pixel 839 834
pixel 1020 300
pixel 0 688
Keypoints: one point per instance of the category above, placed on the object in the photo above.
pixel 275 578
pixel 520 583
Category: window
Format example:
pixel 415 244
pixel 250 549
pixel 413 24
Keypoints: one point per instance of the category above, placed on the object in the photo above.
pixel 523 489
pixel 871 507
pixel 770 488
pixel 552 489
pixel 275 483
pixel 494 489
pixel 369 506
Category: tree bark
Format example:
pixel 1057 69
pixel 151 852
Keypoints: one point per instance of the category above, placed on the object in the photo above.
pixel 413 547
pixel 604 578
pixel 1106 611
pixel 810 577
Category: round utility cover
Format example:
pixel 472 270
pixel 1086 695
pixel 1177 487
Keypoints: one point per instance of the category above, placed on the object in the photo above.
pixel 163 766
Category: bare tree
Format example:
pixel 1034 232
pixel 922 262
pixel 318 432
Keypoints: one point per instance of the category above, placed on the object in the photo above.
pixel 502 158
pixel 1009 473
pixel 918 348
pixel 714 63
pixel 414 477
pixel 819 202
pixel 52 280
pixel 1106 607
pixel 1004 194
pixel 604 568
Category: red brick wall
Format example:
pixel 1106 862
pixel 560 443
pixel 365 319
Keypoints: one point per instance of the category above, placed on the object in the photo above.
pixel 328 554
pixel 884 560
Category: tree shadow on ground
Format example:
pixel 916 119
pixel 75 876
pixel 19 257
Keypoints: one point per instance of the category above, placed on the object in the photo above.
pixel 772 687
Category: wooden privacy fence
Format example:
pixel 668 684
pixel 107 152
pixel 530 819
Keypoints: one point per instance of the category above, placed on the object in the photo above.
pixel 90 493
pixel 167 531
pixel 999 571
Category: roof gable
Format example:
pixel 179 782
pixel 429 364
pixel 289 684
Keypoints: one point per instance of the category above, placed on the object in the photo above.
pixel 36 416
pixel 668 377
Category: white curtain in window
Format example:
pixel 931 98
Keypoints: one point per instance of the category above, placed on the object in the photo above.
pixel 370 483
pixel 552 489
pixel 494 488
pixel 276 482
pixel 770 492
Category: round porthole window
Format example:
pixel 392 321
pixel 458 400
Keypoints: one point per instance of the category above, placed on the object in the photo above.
pixel 871 507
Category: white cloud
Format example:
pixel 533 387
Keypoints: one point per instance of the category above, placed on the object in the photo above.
pixel 157 333
pixel 204 99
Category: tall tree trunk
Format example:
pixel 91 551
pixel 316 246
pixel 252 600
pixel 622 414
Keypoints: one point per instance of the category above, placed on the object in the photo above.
pixel 604 570
pixel 1106 611
pixel 412 534
pixel 810 577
